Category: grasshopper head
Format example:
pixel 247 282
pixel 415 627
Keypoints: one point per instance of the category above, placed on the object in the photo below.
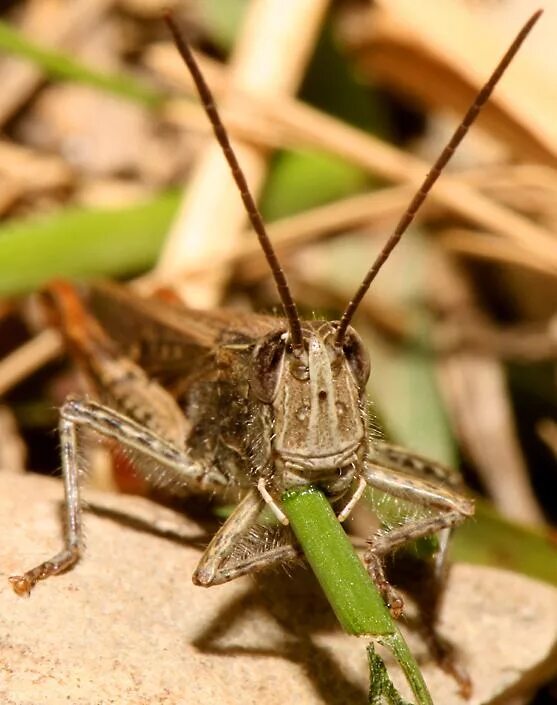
pixel 316 394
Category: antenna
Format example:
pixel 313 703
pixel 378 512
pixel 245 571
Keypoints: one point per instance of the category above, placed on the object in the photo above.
pixel 254 215
pixel 433 174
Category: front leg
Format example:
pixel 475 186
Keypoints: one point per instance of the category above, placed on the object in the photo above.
pixel 168 467
pixel 235 551
pixel 452 506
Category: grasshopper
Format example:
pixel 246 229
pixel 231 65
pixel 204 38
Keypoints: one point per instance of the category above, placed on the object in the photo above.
pixel 244 405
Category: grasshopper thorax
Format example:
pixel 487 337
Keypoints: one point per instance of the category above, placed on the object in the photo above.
pixel 316 395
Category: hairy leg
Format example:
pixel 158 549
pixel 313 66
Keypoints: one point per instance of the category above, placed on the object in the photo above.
pixel 168 466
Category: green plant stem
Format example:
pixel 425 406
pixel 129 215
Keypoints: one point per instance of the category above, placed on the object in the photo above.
pixel 354 598
pixel 60 65
pixel 396 644
pixel 357 603
pixel 381 688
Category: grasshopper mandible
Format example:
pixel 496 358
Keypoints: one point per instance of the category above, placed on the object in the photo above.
pixel 243 404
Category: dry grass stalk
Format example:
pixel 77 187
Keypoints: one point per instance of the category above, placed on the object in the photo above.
pixel 547 431
pixel 289 233
pixel 27 172
pixel 53 23
pixel 320 130
pixel 388 318
pixel 474 390
pixel 476 399
pixel 415 49
pixel 520 343
pixel 482 245
pixel 270 54
pixel 300 124
pixel 13 452
pixel 241 124
pixel 28 358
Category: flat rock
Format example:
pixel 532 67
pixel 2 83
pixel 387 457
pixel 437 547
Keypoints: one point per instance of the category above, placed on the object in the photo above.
pixel 128 626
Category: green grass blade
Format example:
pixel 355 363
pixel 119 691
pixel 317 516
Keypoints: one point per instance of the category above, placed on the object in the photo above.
pixel 381 688
pixel 353 596
pixel 357 603
pixel 403 655
pixel 83 243
pixel 303 178
pixel 120 242
pixel 59 65
pixel 489 539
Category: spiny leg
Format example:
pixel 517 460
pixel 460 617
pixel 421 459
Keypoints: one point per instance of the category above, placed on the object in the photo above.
pixel 453 509
pixel 402 459
pixel 427 579
pixel 218 564
pixel 383 544
pixel 63 560
pixel 175 467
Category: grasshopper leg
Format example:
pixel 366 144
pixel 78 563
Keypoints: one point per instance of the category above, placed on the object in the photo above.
pixel 219 565
pixel 63 560
pixel 416 479
pixel 170 466
pixel 453 509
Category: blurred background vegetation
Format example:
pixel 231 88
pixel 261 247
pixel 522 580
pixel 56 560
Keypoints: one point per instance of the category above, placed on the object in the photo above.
pixel 101 135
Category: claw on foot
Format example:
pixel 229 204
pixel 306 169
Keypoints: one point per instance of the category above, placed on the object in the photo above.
pixel 21 585
pixel 396 606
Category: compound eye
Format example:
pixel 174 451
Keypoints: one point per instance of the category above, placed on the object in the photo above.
pixel 266 365
pixel 356 356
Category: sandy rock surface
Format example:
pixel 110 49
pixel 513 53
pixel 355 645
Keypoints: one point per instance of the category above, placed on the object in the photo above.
pixel 127 625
